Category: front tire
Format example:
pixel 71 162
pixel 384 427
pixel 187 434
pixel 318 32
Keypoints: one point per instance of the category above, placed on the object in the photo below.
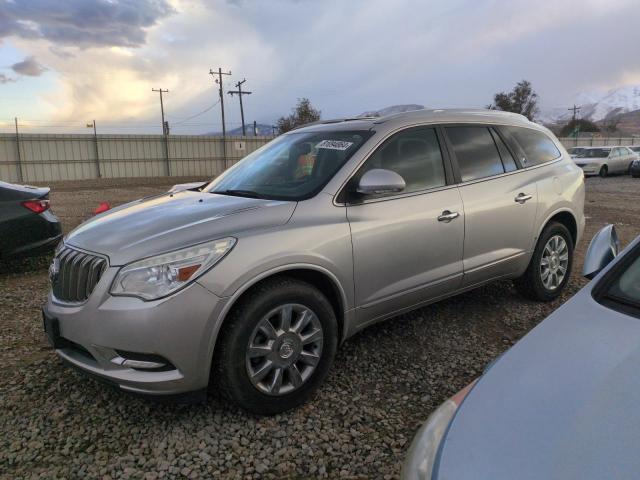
pixel 550 266
pixel 604 171
pixel 277 346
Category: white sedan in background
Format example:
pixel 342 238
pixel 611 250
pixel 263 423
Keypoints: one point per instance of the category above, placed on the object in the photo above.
pixel 604 160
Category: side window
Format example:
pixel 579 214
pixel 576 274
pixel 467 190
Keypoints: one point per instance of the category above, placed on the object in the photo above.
pixel 616 152
pixel 508 162
pixel 538 147
pixel 475 151
pixel 414 155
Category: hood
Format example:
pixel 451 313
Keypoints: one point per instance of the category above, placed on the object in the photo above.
pixel 563 403
pixel 171 221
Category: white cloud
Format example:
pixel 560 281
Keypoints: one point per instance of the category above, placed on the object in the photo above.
pixel 346 57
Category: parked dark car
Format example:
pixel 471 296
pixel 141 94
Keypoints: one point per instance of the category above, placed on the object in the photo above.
pixel 27 224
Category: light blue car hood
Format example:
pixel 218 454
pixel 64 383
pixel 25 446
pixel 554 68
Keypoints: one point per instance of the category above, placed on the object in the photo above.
pixel 563 403
pixel 174 220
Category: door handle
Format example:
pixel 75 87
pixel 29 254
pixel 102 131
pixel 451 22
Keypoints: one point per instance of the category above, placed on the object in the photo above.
pixel 447 216
pixel 521 198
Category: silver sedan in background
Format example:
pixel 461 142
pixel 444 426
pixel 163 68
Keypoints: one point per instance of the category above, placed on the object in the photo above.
pixel 603 161
pixel 563 402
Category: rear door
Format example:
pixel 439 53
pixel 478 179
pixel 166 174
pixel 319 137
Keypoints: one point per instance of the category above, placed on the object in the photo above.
pixel 407 247
pixel 617 159
pixel 500 201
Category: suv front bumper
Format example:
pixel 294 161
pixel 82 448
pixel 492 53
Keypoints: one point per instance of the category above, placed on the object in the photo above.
pixel 177 332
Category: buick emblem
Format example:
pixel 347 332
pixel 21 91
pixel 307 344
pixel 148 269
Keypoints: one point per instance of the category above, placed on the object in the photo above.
pixel 286 349
pixel 54 270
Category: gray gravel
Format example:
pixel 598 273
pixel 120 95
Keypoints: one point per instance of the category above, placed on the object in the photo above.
pixel 55 423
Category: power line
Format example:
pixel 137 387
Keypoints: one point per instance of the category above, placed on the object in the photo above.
pixel 197 114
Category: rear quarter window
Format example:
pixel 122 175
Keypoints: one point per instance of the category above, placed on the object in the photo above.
pixel 538 148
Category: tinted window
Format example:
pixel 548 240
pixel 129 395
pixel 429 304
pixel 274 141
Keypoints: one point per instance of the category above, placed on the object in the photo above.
pixel 623 290
pixel 538 147
pixel 594 153
pixel 414 155
pixel 475 151
pixel 508 162
pixel 294 166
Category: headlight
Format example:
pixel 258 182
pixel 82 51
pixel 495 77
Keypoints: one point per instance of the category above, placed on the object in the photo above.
pixel 159 276
pixel 422 454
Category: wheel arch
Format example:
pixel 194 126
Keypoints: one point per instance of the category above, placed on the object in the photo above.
pixel 566 218
pixel 319 277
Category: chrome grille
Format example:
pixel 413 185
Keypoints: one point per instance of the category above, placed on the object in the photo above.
pixel 74 274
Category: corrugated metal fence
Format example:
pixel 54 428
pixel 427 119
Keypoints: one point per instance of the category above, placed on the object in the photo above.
pixel 49 157
pixel 569 142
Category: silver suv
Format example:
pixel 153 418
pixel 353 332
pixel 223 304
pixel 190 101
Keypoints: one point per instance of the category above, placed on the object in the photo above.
pixel 251 282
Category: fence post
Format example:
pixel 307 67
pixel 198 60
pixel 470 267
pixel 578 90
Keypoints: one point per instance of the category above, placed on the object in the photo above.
pixel 166 152
pixel 20 176
pixel 95 141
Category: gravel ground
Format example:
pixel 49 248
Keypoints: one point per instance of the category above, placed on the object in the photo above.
pixel 54 423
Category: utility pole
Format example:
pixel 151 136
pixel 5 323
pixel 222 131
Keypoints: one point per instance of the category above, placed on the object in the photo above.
pixel 164 128
pixel 95 143
pixel 575 110
pixel 224 129
pixel 239 92
pixel 576 129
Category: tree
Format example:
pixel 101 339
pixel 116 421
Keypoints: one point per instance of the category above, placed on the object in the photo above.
pixel 522 99
pixel 302 113
pixel 578 125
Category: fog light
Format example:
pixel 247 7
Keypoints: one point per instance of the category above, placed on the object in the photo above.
pixel 141 361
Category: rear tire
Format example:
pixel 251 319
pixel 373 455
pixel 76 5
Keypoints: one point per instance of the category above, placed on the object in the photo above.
pixel 286 328
pixel 604 171
pixel 548 263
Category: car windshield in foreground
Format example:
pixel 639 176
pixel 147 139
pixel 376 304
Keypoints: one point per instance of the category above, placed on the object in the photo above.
pixel 593 153
pixel 622 292
pixel 294 166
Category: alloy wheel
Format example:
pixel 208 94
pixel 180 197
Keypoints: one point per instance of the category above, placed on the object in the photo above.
pixel 554 262
pixel 284 349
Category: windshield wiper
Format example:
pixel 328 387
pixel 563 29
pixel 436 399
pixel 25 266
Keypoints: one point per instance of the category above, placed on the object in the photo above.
pixel 239 193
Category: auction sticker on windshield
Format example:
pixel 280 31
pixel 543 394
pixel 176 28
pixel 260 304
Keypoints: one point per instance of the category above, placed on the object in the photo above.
pixel 334 144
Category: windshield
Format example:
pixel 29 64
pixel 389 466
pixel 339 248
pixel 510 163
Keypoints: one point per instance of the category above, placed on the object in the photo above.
pixel 593 153
pixel 622 292
pixel 294 166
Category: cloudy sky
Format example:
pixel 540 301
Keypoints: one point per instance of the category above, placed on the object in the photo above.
pixel 66 62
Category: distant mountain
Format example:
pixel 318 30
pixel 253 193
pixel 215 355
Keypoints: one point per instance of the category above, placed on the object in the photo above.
pixel 597 106
pixel 391 110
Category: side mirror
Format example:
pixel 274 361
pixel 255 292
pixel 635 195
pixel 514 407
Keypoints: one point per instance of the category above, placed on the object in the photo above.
pixel 379 180
pixel 602 250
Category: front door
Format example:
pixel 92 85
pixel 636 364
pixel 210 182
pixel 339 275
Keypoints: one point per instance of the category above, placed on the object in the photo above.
pixel 407 247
